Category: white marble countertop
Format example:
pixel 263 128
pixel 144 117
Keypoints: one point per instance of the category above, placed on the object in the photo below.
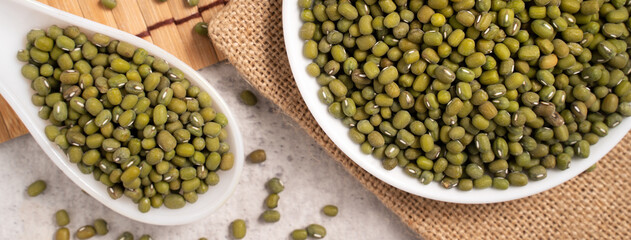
pixel 312 180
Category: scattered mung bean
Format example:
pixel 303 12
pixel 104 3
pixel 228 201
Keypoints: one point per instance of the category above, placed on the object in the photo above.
pixel 238 229
pixel 146 237
pixel 257 156
pixel 85 232
pixel 271 201
pixel 62 218
pixel 125 236
pixel 330 210
pixel 270 216
pixel 248 98
pixel 62 234
pixel 111 4
pixel 201 28
pixel 316 231
pixel 192 3
pixel 100 226
pixel 299 234
pixel 275 185
pixel 36 188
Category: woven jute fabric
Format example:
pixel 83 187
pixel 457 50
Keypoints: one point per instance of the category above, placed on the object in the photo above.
pixel 591 206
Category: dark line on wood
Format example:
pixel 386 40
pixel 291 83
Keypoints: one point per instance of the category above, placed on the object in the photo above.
pixel 143 34
pixel 209 6
pixel 186 19
pixel 160 24
pixel 199 12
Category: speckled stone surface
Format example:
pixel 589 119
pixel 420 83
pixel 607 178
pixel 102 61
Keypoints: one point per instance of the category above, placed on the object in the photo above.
pixel 312 180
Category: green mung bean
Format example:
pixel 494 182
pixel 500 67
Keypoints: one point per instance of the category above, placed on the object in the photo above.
pixel 316 231
pixel 271 201
pixel 100 226
pixel 299 234
pixel 111 4
pixel 248 98
pixel 238 228
pixel 201 28
pixel 257 156
pixel 36 188
pixel 192 3
pixel 62 234
pixel 275 185
pixel 147 237
pixel 62 218
pixel 270 216
pixel 125 236
pixel 85 232
pixel 330 210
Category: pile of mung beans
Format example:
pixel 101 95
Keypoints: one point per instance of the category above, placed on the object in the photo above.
pixel 472 93
pixel 128 118
pixel 62 219
pixel 274 186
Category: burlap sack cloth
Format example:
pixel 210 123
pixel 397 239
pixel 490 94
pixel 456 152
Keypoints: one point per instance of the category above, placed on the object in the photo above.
pixel 591 206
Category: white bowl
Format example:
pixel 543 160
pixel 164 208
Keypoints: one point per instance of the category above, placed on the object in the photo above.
pixel 18 17
pixel 397 178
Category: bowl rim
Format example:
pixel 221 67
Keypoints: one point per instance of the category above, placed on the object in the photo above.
pixel 396 178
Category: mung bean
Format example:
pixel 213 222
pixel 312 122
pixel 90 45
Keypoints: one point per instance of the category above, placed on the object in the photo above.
pixel 111 4
pixel 62 218
pixel 316 231
pixel 62 234
pixel 238 228
pixel 330 210
pixel 125 236
pixel 275 185
pixel 270 216
pixel 36 188
pixel 257 156
pixel 201 28
pixel 248 98
pixel 85 232
pixel 299 234
pixel 272 201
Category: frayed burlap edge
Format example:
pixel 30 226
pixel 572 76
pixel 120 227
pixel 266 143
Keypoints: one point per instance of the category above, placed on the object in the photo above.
pixel 591 206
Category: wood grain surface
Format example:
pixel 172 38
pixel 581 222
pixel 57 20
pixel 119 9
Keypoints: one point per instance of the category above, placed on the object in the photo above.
pixel 168 25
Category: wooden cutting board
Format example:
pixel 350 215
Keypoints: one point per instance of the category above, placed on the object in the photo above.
pixel 168 25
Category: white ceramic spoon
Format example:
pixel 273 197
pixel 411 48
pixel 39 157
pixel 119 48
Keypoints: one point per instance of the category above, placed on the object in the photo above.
pixel 17 18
